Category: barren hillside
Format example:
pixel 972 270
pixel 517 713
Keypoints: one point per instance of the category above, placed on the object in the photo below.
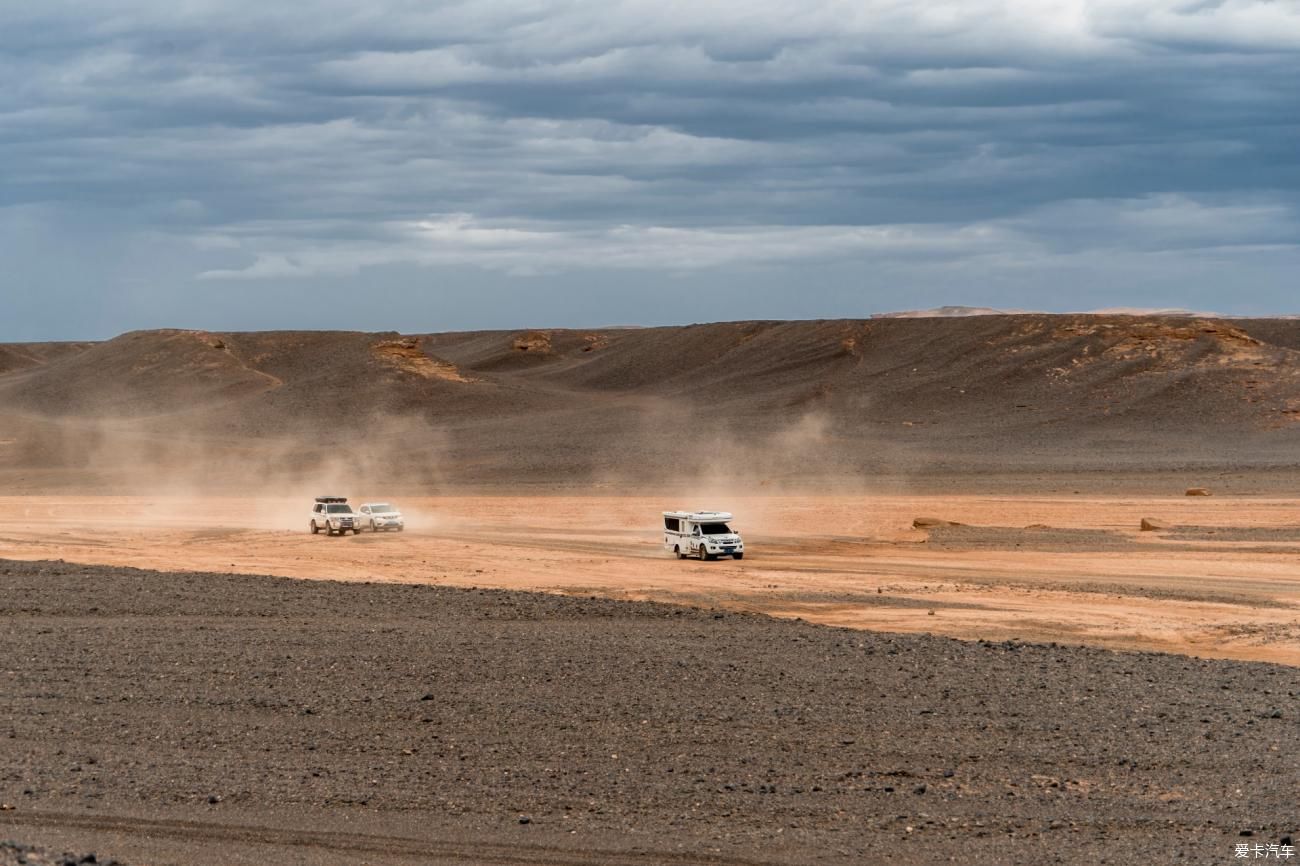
pixel 776 400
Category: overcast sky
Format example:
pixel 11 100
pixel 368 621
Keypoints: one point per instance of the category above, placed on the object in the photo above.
pixel 422 166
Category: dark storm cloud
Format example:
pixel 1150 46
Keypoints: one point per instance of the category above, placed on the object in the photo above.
pixel 970 151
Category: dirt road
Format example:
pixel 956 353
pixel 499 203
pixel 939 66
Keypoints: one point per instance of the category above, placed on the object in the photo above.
pixel 1222 581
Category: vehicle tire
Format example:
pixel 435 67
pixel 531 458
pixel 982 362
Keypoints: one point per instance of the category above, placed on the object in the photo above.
pixel 356 530
pixel 705 556
pixel 738 556
pixel 677 551
pixel 373 528
pixel 314 528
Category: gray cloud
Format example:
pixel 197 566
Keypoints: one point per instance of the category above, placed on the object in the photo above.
pixel 468 156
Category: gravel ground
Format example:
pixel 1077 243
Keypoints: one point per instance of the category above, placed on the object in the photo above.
pixel 18 854
pixel 153 714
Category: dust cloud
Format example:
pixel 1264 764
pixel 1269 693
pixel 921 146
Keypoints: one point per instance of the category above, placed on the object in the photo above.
pixel 187 469
pixel 700 459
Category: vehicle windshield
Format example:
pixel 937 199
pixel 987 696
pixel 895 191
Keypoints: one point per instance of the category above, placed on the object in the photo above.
pixel 381 508
pixel 716 529
pixel 339 509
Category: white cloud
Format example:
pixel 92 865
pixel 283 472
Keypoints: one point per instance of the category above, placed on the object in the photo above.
pixel 1064 233
pixel 1162 223
pixel 1240 24
pixel 265 267
pixel 461 239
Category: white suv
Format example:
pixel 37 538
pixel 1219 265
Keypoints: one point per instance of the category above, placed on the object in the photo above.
pixel 380 515
pixel 334 515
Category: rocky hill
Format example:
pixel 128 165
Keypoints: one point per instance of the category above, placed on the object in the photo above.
pixel 785 400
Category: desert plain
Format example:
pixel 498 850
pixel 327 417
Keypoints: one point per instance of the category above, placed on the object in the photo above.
pixel 1222 581
pixel 525 675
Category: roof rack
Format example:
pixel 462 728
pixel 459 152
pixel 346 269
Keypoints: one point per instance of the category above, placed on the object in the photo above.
pixel 331 499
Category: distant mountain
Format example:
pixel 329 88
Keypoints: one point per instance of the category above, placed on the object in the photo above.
pixel 946 313
pixel 957 311
pixel 1146 311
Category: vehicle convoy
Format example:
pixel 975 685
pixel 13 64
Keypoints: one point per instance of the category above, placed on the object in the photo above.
pixel 701 533
pixel 334 515
pixel 381 515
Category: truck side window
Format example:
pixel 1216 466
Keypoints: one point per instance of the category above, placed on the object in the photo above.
pixel 672 524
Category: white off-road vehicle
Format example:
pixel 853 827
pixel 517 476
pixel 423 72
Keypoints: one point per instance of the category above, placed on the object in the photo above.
pixel 380 515
pixel 701 533
pixel 334 515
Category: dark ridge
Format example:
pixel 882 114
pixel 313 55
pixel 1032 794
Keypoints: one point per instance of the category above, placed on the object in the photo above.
pixel 786 400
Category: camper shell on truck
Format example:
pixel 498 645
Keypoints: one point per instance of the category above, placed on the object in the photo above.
pixel 706 534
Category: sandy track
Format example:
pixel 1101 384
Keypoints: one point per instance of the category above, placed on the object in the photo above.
pixel 256 842
pixel 1223 582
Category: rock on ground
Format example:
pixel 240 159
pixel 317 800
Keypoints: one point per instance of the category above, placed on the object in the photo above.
pixel 17 854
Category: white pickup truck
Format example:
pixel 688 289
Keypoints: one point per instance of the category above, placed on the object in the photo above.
pixel 334 515
pixel 701 533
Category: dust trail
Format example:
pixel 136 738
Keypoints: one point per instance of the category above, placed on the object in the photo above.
pixel 696 459
pixel 177 466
